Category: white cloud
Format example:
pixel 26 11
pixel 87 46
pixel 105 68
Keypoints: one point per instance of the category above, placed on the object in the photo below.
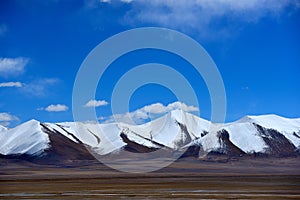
pixel 156 108
pixel 126 1
pixel 6 118
pixel 203 15
pixel 11 84
pixel 12 66
pixel 149 111
pixel 40 87
pixel 96 103
pixel 55 108
pixel 182 106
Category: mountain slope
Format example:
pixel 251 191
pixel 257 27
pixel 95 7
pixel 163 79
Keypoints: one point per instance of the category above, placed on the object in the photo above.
pixel 177 131
pixel 288 127
pixel 27 138
pixel 102 138
pixel 173 130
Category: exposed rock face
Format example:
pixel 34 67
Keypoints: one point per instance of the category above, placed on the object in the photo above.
pixel 177 133
pixel 64 149
pixel 278 144
pixel 135 147
pixel 227 147
pixel 185 136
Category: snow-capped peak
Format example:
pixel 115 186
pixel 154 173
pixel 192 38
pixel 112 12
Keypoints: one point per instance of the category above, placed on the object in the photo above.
pixel 273 121
pixel 27 138
pixel 176 130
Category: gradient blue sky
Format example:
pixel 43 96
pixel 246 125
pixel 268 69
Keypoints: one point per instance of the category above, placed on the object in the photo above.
pixel 254 43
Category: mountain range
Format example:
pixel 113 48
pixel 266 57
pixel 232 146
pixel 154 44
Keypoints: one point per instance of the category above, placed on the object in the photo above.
pixel 177 131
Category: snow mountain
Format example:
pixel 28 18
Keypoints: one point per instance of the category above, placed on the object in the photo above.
pixel 177 131
pixel 27 138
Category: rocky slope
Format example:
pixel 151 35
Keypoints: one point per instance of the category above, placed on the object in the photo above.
pixel 177 131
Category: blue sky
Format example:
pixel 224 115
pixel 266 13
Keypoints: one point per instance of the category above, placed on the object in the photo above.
pixel 254 43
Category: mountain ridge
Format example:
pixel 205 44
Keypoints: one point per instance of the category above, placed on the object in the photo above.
pixel 177 131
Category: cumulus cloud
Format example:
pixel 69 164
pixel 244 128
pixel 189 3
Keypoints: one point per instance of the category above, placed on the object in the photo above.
pixel 149 111
pixel 96 103
pixel 11 84
pixel 12 66
pixel 181 106
pixel 55 108
pixel 6 118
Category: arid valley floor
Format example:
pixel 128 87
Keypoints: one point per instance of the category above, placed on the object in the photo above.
pixel 190 178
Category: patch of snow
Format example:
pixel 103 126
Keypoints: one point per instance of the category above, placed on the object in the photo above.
pixel 210 142
pixel 27 138
pixel 162 130
pixel 244 135
pixel 283 125
pixel 172 130
pixel 103 138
